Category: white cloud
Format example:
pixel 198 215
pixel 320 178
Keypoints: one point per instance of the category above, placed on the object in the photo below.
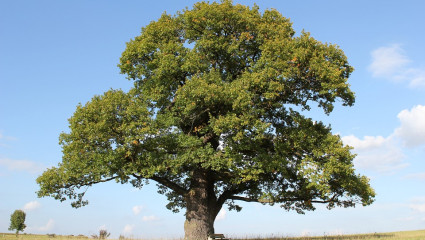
pixel 31 206
pixel 418 200
pixel 48 227
pixel 415 176
pixel 21 165
pixel 391 62
pixel 4 140
pixel 388 61
pixel 412 129
pixel 369 142
pixel 385 154
pixel 376 153
pixel 406 219
pixel 137 209
pixel 128 229
pixel 150 218
pixel 221 215
pixel 418 207
pixel 416 76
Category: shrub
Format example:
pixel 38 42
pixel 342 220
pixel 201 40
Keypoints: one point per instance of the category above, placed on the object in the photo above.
pixel 103 234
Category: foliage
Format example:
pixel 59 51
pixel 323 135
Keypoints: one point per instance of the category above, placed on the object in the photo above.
pixel 17 221
pixel 218 104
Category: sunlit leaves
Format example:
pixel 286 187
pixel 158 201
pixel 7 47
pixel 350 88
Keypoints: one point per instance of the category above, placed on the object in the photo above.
pixel 219 88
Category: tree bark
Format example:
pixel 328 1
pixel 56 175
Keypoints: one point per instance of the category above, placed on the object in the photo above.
pixel 201 207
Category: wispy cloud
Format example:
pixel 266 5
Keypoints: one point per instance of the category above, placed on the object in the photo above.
pixel 391 62
pixel 47 227
pixel 418 207
pixel 150 218
pixel 31 206
pixel 4 139
pixel 128 229
pixel 137 209
pixel 21 165
pixel 388 61
pixel 221 215
pixel 415 176
pixel 406 219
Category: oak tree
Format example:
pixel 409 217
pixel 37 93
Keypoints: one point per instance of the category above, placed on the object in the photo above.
pixel 217 116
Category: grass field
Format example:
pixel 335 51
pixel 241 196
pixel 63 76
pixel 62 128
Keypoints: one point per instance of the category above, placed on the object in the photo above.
pixel 409 235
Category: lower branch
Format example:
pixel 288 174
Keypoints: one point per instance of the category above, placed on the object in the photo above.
pixel 167 183
pixel 83 184
pixel 280 200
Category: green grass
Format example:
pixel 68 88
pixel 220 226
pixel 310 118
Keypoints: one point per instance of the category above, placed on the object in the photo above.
pixel 408 235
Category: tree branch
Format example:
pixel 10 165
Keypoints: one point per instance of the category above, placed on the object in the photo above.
pixel 166 182
pixel 245 199
pixel 280 200
pixel 81 184
pixel 104 180
pixel 172 185
pixel 229 193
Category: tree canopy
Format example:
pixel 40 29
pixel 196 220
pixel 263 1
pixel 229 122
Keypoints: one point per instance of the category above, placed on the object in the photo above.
pixel 17 221
pixel 216 116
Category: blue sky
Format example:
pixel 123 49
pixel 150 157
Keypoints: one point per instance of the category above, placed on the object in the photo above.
pixel 56 54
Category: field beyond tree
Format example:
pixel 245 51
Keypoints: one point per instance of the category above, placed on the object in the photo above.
pixel 405 235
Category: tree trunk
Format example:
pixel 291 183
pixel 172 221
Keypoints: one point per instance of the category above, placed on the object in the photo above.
pixel 201 207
